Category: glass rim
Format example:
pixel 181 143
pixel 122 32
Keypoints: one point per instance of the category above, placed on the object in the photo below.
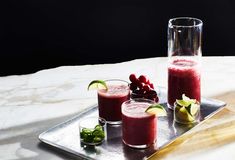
pixel 112 80
pixel 120 82
pixel 124 104
pixel 170 24
pixel 139 100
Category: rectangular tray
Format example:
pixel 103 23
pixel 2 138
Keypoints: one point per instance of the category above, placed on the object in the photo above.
pixel 65 136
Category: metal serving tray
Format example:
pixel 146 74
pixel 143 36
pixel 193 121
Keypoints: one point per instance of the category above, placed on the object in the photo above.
pixel 65 136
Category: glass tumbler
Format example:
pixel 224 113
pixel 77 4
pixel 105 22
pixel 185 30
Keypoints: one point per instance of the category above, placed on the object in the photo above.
pixel 110 100
pixel 184 56
pixel 139 129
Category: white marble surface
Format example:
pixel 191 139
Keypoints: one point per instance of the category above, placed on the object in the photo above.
pixel 27 100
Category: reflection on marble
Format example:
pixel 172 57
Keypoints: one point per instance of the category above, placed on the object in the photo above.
pixel 15 151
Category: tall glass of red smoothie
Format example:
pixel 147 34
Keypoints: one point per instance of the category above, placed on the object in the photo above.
pixel 110 100
pixel 139 129
pixel 184 53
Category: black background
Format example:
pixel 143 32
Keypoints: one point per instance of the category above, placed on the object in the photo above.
pixel 39 34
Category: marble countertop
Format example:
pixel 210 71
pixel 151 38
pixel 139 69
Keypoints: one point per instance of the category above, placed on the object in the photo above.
pixel 30 104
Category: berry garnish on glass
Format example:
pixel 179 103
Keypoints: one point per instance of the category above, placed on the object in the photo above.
pixel 141 87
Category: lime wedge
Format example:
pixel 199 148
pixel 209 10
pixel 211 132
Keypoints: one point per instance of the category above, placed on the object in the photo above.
pixel 97 84
pixel 184 97
pixel 177 108
pixel 186 101
pixel 156 109
pixel 184 115
pixel 194 108
pixel 182 102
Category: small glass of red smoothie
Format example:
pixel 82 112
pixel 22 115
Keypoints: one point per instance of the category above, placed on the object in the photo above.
pixel 139 129
pixel 184 53
pixel 110 100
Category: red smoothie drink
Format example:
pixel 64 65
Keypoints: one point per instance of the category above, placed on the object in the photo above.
pixel 183 78
pixel 110 101
pixel 139 129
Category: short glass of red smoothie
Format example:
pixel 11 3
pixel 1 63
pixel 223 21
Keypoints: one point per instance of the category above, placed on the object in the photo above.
pixel 139 129
pixel 184 54
pixel 110 100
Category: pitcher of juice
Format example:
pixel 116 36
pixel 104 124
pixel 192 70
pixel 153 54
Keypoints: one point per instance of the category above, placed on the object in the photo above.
pixel 184 56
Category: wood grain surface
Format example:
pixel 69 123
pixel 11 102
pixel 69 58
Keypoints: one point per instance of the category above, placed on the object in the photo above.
pixel 215 136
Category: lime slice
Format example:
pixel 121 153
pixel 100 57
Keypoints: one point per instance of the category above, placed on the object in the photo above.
pixel 156 109
pixel 97 84
pixel 183 115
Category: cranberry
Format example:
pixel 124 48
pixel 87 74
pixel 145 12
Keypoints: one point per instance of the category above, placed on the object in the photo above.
pixel 152 95
pixel 148 82
pixel 146 88
pixel 137 93
pixel 140 85
pixel 133 78
pixel 133 86
pixel 156 99
pixel 151 85
pixel 143 79
pixel 153 92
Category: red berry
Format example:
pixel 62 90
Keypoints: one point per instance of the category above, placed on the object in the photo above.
pixel 143 79
pixel 133 78
pixel 151 85
pixel 156 99
pixel 137 93
pixel 146 88
pixel 140 85
pixel 142 92
pixel 148 96
pixel 148 82
pixel 152 92
pixel 133 86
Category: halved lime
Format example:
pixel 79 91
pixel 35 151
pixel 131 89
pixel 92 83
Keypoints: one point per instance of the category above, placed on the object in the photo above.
pixel 97 84
pixel 157 109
